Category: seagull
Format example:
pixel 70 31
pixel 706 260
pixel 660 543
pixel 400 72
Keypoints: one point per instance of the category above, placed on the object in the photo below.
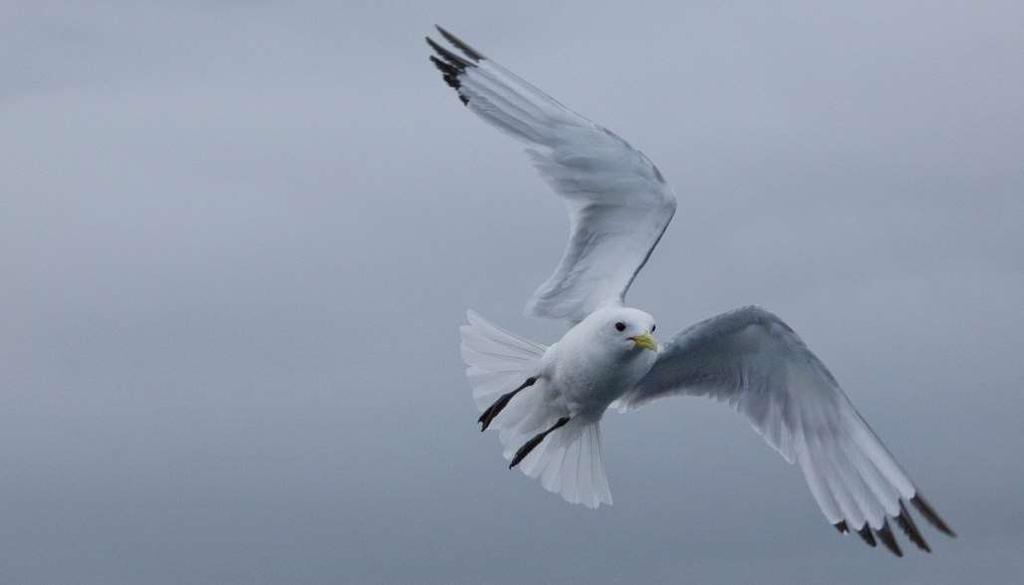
pixel 547 401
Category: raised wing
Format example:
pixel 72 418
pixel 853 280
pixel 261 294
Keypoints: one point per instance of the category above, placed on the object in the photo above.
pixel 619 204
pixel 755 362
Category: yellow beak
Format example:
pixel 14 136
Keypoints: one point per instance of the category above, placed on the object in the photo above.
pixel 646 341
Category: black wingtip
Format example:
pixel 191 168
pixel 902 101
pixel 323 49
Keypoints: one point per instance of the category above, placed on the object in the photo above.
pixel 451 67
pixel 907 525
pixel 454 60
pixel 448 73
pixel 841 527
pixel 460 44
pixel 866 536
pixel 885 535
pixel 931 515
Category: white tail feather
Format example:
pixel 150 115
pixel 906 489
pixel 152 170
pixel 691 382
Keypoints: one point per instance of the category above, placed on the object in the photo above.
pixel 496 360
pixel 568 462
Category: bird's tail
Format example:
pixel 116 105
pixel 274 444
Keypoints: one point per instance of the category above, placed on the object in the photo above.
pixel 569 463
pixel 496 360
pixel 568 460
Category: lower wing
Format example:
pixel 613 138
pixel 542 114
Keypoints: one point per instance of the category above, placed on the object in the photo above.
pixel 754 361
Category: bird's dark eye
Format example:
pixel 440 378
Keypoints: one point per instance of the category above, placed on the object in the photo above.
pixel 620 326
pixel 653 327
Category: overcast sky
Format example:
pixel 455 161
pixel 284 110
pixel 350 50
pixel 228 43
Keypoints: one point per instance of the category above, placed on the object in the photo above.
pixel 237 239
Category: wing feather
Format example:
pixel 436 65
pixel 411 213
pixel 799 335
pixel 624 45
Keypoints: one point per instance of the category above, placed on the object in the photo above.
pixel 754 361
pixel 617 200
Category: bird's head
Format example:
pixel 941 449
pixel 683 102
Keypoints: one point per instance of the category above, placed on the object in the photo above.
pixel 629 330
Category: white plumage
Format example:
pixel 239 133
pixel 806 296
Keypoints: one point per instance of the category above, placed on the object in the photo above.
pixel 547 402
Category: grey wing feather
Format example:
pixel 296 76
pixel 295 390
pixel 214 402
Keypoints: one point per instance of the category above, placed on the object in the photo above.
pixel 754 361
pixel 618 202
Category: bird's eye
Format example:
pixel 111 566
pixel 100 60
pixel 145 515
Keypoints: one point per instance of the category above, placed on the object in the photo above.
pixel 653 327
pixel 620 326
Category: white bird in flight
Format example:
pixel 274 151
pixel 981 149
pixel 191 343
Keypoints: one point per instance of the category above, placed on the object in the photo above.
pixel 547 402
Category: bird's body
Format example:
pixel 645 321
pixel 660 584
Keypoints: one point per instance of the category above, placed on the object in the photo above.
pixel 547 402
pixel 590 376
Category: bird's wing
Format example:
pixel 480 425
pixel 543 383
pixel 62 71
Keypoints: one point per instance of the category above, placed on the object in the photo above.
pixel 754 361
pixel 618 202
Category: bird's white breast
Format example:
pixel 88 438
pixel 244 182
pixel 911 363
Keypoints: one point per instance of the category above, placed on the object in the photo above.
pixel 589 376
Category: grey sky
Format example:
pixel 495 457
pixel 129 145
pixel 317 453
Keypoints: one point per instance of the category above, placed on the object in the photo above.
pixel 237 238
